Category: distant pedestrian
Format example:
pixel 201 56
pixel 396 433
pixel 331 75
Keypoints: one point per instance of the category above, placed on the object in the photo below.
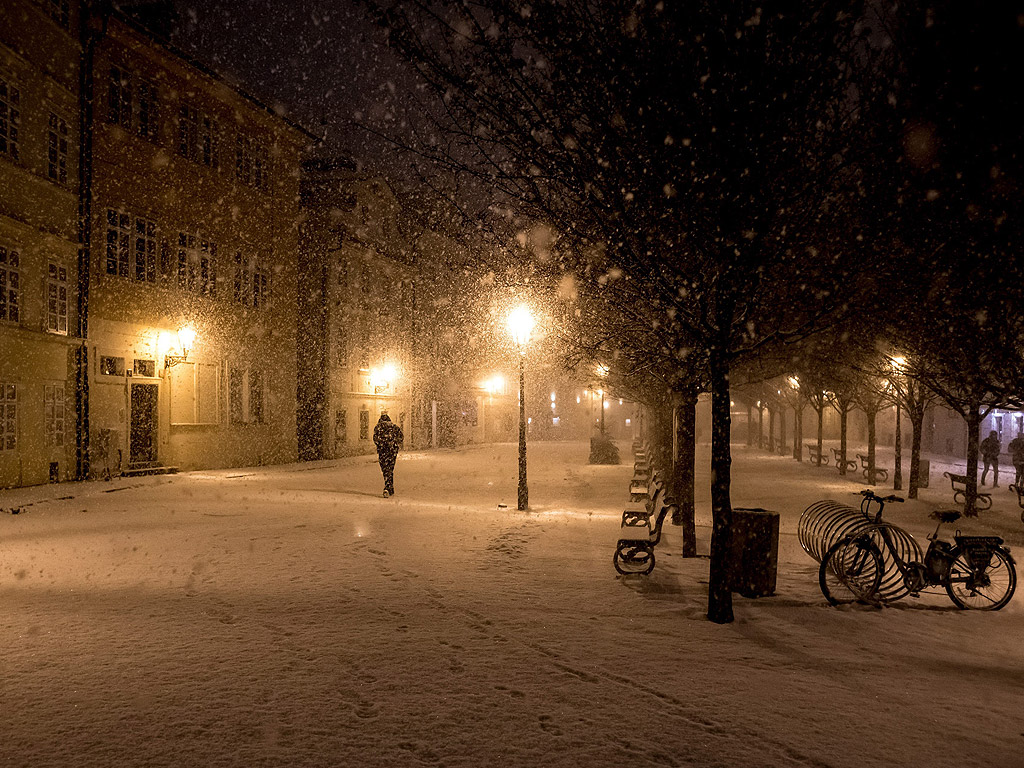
pixel 990 455
pixel 1017 457
pixel 388 438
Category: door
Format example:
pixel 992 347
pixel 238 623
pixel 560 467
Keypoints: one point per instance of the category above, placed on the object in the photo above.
pixel 142 441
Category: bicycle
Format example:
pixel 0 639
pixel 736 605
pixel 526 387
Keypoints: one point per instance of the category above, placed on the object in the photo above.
pixel 881 563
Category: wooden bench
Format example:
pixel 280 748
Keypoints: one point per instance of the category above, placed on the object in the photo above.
pixel 849 465
pixel 1020 499
pixel 881 474
pixel 634 551
pixel 641 514
pixel 640 489
pixel 813 454
pixel 959 485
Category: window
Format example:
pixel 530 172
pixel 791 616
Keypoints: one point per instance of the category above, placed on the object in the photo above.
pixel 250 285
pixel 364 425
pixel 208 268
pixel 145 368
pixel 10 285
pixel 195 393
pixel 8 416
pixel 58 11
pixel 198 137
pixel 251 166
pixel 145 250
pixel 119 98
pixel 57 299
pixel 188 261
pixel 53 408
pixel 57 149
pixel 111 366
pixel 10 119
pixel 341 426
pixel 131 246
pixel 246 396
pixel 256 397
pixel 197 264
pixel 188 131
pixel 147 122
pixel 259 286
pixel 236 412
pixel 119 242
pixel 209 142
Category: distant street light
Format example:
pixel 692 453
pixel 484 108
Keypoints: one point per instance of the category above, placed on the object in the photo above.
pixel 520 325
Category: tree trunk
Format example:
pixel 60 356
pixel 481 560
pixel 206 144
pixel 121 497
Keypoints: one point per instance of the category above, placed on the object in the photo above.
pixel 771 430
pixel 821 429
pixel 719 590
pixel 973 427
pixel 843 413
pixel 798 432
pixel 871 446
pixel 760 427
pixel 782 430
pixel 750 425
pixel 683 480
pixel 917 427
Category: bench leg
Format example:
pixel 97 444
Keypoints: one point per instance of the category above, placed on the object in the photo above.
pixel 633 557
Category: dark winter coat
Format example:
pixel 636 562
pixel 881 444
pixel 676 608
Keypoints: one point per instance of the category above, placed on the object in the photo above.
pixel 1017 449
pixel 990 448
pixel 387 436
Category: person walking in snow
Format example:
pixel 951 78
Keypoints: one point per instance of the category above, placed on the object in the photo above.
pixel 990 455
pixel 388 438
pixel 1017 457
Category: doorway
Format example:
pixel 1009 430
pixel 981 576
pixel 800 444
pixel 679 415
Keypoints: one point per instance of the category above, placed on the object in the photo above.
pixel 142 440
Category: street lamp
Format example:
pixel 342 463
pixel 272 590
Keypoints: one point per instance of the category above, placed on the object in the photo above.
pixel 897 475
pixel 520 324
pixel 186 338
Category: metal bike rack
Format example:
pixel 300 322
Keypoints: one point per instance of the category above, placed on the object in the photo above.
pixel 826 522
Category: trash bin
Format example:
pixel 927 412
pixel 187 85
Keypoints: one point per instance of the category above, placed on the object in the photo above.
pixel 924 468
pixel 755 552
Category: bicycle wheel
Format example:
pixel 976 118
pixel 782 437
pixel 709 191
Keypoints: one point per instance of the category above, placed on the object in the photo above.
pixel 981 587
pixel 851 571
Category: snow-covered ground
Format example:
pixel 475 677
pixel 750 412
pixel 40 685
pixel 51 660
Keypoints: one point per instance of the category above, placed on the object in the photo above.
pixel 290 616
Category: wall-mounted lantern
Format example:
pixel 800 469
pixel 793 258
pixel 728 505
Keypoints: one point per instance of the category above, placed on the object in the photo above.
pixel 186 338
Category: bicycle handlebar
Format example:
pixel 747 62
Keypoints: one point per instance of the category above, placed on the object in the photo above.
pixel 869 494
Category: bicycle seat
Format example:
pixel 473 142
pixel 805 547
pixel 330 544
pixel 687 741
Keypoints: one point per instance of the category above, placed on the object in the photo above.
pixel 946 515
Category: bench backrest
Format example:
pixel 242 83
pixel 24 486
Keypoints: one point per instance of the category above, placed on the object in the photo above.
pixel 667 505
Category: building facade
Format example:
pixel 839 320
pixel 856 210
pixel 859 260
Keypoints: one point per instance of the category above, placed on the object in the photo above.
pixel 193 242
pixel 357 309
pixel 39 184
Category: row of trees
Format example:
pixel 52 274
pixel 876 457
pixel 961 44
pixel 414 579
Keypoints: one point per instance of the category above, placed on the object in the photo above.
pixel 729 183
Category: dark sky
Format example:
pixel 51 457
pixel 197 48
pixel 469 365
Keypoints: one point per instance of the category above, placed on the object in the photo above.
pixel 322 60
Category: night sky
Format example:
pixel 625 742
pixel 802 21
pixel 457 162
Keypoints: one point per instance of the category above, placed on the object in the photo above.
pixel 321 61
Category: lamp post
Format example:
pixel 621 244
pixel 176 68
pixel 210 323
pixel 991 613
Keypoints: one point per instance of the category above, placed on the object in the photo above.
pixel 897 474
pixel 520 324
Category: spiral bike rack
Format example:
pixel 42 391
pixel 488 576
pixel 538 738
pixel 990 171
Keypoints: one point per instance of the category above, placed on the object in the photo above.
pixel 827 522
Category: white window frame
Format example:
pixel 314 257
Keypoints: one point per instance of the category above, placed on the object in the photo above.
pixel 147 111
pixel 58 143
pixel 55 410
pixel 8 416
pixel 119 97
pixel 57 295
pixel 10 118
pixel 10 284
